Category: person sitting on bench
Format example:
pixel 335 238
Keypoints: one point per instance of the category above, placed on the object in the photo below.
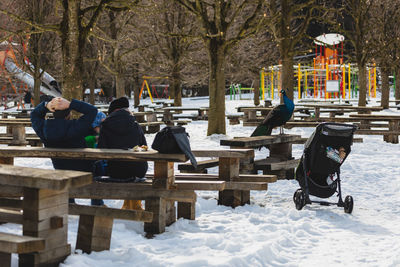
pixel 120 130
pixel 64 132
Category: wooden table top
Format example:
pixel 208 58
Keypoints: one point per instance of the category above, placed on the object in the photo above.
pixel 342 106
pixel 376 116
pixel 89 154
pixel 256 141
pixel 42 178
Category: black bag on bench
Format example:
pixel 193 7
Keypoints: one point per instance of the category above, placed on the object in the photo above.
pixel 174 139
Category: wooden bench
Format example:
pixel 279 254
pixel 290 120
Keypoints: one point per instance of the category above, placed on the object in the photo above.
pixel 201 166
pixel 10 243
pixel 44 208
pixel 234 119
pixel 159 196
pixel 95 224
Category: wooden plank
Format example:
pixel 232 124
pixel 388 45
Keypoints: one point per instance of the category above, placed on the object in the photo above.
pixel 134 191
pixel 200 185
pixel 52 257
pixel 11 216
pixel 257 141
pixel 11 203
pixel 275 164
pixel 246 186
pixel 266 178
pixel 10 243
pixel 133 215
pixel 304 139
pixel 41 178
pixel 200 165
pixel 231 153
pixel 88 153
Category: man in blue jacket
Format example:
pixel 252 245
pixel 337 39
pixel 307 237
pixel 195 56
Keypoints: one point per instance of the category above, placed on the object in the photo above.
pixel 63 132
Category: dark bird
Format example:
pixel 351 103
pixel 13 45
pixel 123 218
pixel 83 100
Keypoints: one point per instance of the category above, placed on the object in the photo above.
pixel 278 116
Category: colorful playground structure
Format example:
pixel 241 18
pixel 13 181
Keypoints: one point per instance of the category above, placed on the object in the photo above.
pixel 326 76
pixel 154 92
pixel 14 80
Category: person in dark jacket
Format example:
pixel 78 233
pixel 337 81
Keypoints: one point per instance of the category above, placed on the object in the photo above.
pixel 27 98
pixel 120 130
pixel 62 132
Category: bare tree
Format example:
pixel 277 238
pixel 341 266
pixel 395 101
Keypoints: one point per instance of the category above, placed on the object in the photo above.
pixel 356 15
pixel 289 23
pixel 223 25
pixel 78 21
pixel 385 16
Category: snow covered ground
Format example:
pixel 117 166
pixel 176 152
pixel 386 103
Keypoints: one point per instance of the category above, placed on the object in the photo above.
pixel 269 231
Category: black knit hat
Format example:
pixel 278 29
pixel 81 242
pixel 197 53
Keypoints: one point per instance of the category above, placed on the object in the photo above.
pixel 118 103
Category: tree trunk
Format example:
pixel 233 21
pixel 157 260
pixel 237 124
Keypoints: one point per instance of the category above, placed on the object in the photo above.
pixel 362 85
pixel 216 117
pixel 119 85
pixel 256 87
pixel 36 89
pixel 136 85
pixel 397 87
pixel 175 91
pixel 287 74
pixel 72 58
pixel 385 88
pixel 92 86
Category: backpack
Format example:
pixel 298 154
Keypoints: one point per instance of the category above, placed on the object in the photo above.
pixel 174 139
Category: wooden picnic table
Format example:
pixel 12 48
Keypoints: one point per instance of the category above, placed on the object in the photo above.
pixel 16 128
pixel 333 109
pixel 163 190
pixel 279 162
pixel 45 208
pixel 168 115
pixel 393 124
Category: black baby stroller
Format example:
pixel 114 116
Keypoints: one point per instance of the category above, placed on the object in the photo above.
pixel 324 153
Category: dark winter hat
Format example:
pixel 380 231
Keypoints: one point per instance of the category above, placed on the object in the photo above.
pixel 61 114
pixel 118 103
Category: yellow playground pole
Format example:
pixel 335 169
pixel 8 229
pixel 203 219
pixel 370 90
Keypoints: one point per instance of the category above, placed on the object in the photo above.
pixel 374 80
pixel 262 82
pixel 369 82
pixel 272 83
pixel 298 81
pixel 349 77
pixel 344 82
pixel 305 81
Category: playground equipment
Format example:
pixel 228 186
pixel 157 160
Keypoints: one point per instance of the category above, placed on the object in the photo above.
pixel 154 92
pixel 14 80
pixel 237 89
pixel 327 76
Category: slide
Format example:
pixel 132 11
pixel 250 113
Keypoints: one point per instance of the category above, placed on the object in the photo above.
pixel 49 84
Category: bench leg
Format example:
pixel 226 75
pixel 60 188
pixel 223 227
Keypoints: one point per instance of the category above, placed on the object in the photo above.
pixel 5 259
pixel 158 207
pixel 230 198
pixel 94 233
pixel 153 129
pixel 170 213
pixel 46 216
pixel 187 210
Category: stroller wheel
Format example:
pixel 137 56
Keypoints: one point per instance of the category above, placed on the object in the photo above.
pixel 348 204
pixel 299 199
